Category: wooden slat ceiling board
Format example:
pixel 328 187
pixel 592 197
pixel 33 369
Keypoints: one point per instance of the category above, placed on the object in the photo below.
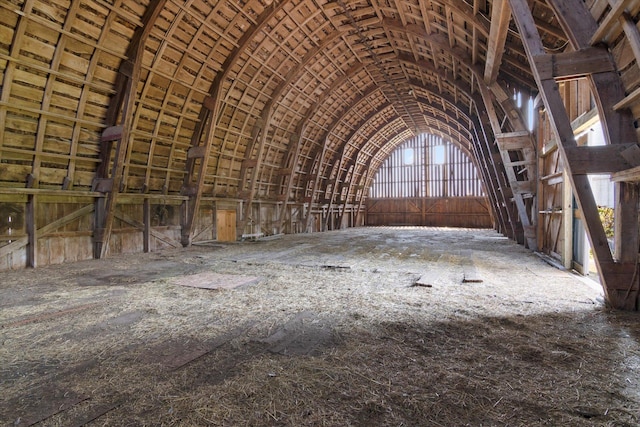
pixel 344 79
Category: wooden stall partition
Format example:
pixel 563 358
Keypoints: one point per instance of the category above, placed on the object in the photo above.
pixel 205 226
pixel 41 228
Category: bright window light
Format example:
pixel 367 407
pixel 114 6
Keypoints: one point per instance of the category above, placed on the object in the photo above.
pixel 408 156
pixel 438 154
pixel 531 117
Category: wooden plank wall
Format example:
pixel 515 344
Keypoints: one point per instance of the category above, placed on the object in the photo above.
pixel 555 207
pixel 325 219
pixel 12 230
pixel 468 212
pixel 61 231
pixel 64 226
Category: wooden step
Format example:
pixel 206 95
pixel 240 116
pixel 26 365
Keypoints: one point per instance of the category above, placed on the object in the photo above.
pixel 514 140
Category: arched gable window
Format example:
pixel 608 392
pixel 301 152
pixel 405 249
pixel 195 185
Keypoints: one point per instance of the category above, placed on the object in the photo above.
pixel 427 166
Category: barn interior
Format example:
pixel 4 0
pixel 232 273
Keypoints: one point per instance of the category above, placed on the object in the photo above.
pixel 297 212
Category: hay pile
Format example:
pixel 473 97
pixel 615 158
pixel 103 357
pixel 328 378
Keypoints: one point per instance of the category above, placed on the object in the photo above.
pixel 332 334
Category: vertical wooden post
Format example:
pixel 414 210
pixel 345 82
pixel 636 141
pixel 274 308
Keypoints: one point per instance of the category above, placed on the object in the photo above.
pixel 626 222
pixel 290 163
pixel 98 231
pixel 146 234
pixel 32 232
pixel 567 220
pixel 316 182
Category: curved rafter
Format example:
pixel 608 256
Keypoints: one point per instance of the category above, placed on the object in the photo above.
pixel 358 100
pixel 339 154
pixel 266 118
pixel 202 139
pixel 505 102
pixel 110 181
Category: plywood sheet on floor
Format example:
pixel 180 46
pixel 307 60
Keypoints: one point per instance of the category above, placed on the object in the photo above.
pixel 211 280
pixel 44 403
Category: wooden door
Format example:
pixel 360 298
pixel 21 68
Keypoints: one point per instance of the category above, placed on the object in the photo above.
pixel 226 225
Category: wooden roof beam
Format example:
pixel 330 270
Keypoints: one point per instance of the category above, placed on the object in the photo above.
pixel 633 37
pixel 579 25
pixel 465 149
pixel 423 30
pixel 500 18
pixel 439 42
pixel 326 94
pixel 604 159
pixel 627 175
pixel 609 28
pixel 347 141
pixel 338 188
pixel 317 162
pixel 354 105
pixel 618 128
pixel 491 156
pixel 574 64
pixel 367 173
pixel 361 152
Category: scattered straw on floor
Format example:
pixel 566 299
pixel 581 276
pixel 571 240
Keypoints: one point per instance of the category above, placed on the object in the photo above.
pixel 334 333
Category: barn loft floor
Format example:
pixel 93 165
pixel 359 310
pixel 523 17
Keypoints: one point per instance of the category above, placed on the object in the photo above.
pixel 317 329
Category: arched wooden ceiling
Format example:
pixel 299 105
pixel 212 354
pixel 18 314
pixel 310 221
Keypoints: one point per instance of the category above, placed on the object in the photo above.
pixel 301 100
pixel 340 76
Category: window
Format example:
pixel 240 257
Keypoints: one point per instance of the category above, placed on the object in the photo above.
pixel 407 158
pixel 439 154
pixel 426 166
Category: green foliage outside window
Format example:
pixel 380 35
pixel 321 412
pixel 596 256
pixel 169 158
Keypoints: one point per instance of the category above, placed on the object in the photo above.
pixel 606 216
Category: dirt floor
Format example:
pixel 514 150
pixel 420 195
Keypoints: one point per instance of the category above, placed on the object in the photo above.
pixel 363 327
